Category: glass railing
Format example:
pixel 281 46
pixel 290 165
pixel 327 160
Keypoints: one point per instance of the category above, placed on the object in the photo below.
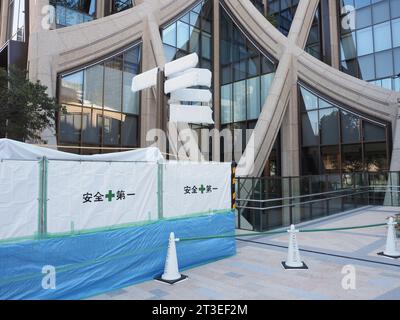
pixel 273 202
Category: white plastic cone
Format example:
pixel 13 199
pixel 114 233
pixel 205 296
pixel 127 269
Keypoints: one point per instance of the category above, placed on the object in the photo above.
pixel 390 249
pixel 293 259
pixel 171 270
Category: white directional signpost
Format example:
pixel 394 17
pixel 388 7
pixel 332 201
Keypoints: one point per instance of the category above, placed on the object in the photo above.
pixel 177 78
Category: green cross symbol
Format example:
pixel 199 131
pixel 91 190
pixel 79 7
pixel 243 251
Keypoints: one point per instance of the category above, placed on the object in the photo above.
pixel 110 195
pixel 202 189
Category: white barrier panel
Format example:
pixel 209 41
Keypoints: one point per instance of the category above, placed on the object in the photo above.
pixel 88 195
pixel 19 198
pixel 190 188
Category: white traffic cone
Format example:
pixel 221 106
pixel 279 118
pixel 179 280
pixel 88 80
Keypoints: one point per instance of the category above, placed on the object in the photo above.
pixel 390 249
pixel 171 273
pixel 293 260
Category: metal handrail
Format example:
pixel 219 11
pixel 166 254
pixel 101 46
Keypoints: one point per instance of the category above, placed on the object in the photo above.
pixel 300 203
pixel 302 196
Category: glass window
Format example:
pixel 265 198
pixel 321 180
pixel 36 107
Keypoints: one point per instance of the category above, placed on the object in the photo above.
pixel 308 100
pixel 396 32
pixel 253 98
pixel 362 3
pixel 352 158
pixel 70 127
pixel 91 125
pixel 375 157
pixel 129 131
pixel 253 66
pixel 364 41
pixel 206 45
pixel 169 35
pixel 71 88
pixel 131 68
pixel 226 103
pixel 350 67
pixel 350 127
pixel 310 161
pixel 373 132
pixel 363 18
pixel 102 87
pixel 93 87
pixel 366 65
pixel 194 40
pixel 395 8
pixel 396 54
pixel 169 52
pixel 330 158
pixel 183 35
pixel 329 124
pixel 111 128
pixel 239 101
pixel 310 128
pixel 348 46
pixel 113 83
pixel 382 36
pixel 380 12
pixel 121 5
pixel 384 64
pixel 266 81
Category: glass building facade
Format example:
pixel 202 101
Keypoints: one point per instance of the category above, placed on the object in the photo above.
pixel 121 5
pixel 370 41
pixel 337 140
pixel 282 11
pixel 101 110
pixel 246 75
pixel 314 40
pixel 192 32
pixel 16 20
pixel 69 13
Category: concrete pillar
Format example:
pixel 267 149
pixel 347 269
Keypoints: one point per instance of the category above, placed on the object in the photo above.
pixel 334 34
pixel 152 56
pixel 100 5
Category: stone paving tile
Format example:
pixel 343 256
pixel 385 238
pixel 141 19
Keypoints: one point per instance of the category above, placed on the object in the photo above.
pixel 256 271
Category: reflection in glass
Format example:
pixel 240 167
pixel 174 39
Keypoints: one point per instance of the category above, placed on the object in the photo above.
pixel 352 158
pixel 226 104
pixel 91 126
pixel 350 127
pixel 129 131
pixel 70 126
pixel 374 132
pixel 113 83
pixel 102 87
pixel 375 157
pixel 71 88
pixel 111 127
pixel 310 131
pixel 329 124
pixel 93 87
pixel 330 157
pixel 239 101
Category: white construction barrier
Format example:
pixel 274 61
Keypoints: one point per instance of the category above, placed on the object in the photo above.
pixel 89 195
pixel 19 198
pixel 195 187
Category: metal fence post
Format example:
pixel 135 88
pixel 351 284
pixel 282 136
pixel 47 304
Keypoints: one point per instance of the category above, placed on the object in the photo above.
pixel 160 183
pixel 42 227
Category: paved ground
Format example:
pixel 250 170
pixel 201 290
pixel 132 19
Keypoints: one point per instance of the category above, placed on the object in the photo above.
pixel 256 271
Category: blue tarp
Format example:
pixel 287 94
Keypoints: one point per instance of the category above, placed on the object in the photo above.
pixel 90 264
